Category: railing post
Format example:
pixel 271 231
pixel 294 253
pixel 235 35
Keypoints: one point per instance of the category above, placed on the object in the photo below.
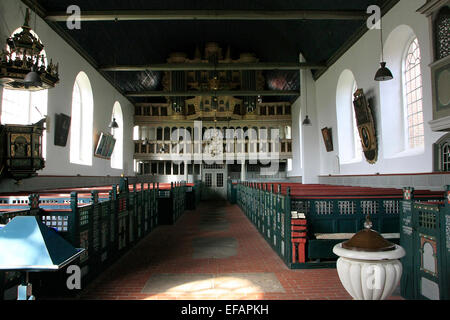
pixel 74 224
pixel 408 193
pixel 445 238
pixel 95 227
pixel 114 189
pixel 115 218
pixel 94 197
pixel 33 201
pixel 287 228
pixel 408 225
pixel 123 184
pixel 155 206
pixel 172 201
pixel 145 205
pixel 134 213
pixel 268 215
pixel 447 197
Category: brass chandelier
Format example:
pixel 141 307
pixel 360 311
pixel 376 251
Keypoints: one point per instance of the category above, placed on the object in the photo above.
pixel 22 66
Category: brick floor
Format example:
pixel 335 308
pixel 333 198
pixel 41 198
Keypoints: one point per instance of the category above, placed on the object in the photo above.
pixel 168 250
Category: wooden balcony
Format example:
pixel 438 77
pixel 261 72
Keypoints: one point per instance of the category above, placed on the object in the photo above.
pixel 171 150
pixel 145 112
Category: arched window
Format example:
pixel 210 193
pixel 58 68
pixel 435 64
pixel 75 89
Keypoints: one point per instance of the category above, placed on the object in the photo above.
pixel 350 149
pixel 441 154
pixel 81 125
pixel 445 157
pixel 402 128
pixel 142 133
pixel 288 132
pixel 117 155
pixel 25 107
pixel 413 98
pixel 136 133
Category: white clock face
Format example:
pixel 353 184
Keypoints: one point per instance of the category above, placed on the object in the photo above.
pixel 443 85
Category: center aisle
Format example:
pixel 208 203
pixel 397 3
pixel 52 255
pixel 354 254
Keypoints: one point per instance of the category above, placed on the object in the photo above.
pixel 211 253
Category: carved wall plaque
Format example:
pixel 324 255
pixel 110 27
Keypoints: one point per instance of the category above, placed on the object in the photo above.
pixel 366 126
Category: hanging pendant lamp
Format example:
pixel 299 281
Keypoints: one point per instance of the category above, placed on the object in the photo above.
pixel 113 124
pixel 32 79
pixel 307 122
pixel 383 74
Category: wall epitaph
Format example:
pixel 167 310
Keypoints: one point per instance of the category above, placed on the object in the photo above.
pixel 366 126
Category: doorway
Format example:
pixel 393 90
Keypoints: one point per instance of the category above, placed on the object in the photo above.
pixel 214 179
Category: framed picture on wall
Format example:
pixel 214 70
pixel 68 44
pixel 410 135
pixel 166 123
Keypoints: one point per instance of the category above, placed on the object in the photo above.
pixel 327 139
pixel 105 146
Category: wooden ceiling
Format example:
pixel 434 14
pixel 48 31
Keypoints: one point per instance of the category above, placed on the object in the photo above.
pixel 142 33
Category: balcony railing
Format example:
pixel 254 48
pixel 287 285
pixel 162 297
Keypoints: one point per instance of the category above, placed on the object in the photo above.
pixel 281 110
pixel 161 148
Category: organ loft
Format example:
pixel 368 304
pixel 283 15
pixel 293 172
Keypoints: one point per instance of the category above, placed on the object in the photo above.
pixel 214 136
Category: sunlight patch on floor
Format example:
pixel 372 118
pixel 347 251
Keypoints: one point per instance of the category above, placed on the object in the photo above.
pixel 213 284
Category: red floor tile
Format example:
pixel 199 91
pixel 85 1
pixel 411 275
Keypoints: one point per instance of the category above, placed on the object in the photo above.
pixel 168 250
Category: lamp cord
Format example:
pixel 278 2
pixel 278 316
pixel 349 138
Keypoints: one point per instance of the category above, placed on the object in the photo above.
pixel 6 25
pixel 381 37
pixel 35 31
pixel 35 17
pixel 306 94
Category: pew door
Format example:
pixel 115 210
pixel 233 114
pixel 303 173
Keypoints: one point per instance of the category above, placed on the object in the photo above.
pixel 427 253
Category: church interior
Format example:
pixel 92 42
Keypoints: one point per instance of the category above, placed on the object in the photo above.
pixel 225 150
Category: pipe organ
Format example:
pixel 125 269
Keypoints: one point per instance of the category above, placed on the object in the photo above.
pixel 184 135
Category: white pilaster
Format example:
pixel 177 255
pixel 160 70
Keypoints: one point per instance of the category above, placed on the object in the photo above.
pixel 243 171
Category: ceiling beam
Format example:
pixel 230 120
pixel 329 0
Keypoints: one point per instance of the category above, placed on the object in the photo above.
pixel 133 15
pixel 212 67
pixel 238 93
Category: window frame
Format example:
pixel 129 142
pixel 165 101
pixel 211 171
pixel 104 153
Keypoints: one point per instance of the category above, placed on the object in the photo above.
pixel 347 128
pixel 82 153
pixel 405 114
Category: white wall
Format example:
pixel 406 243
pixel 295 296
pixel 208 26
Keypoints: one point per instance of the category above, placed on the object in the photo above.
pixel 310 134
pixel 297 169
pixel 60 97
pixel 305 139
pixel 363 60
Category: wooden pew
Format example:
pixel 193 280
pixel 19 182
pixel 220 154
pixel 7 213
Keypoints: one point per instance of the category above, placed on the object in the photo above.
pixel 330 214
pixel 425 236
pixel 105 221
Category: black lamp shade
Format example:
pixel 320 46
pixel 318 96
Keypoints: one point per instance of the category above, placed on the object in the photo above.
pixel 307 122
pixel 383 74
pixel 114 124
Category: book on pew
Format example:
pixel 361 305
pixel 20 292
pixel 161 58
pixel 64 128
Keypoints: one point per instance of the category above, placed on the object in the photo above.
pixel 297 215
